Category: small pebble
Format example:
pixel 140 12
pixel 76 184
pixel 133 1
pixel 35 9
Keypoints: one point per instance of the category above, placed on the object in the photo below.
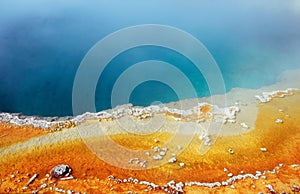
pixel 172 160
pixel 156 149
pixel 44 185
pixel 244 125
pixel 157 157
pixel 263 149
pixel 69 192
pixel 230 151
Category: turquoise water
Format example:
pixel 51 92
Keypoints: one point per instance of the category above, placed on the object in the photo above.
pixel 43 43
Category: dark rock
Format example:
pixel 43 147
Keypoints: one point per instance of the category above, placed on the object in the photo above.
pixel 61 170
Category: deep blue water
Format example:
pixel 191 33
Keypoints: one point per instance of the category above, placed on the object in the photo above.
pixel 43 42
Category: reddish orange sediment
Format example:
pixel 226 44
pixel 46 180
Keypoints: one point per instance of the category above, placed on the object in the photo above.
pixel 282 141
pixel 206 108
pixel 10 134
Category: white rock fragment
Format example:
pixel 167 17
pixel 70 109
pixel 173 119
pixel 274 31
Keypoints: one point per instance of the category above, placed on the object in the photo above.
pixel 147 153
pixel 171 182
pixel 244 125
pixel 279 121
pixel 263 149
pixel 31 179
pixel 157 157
pixel 162 153
pixel 172 160
pixel 66 178
pixel 152 185
pixel 179 147
pixel 280 110
pixel 295 165
pixel 156 140
pixel 207 140
pixel 172 187
pixel 231 120
pixel 181 164
pixel 232 186
pixel 143 164
pixel 225 170
pixel 131 160
pixel 156 149
pixel 44 185
pixel 270 187
pixel 135 181
pixel 230 151
pixel 261 99
pixel 230 174
pixel 60 190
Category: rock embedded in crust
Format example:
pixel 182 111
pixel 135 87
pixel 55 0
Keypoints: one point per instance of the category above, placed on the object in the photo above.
pixel 60 171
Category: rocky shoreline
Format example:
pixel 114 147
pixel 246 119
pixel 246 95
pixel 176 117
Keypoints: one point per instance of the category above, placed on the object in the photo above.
pixel 200 113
